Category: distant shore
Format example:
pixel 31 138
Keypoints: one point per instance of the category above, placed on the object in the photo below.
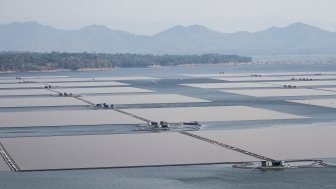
pixel 110 69
pixel 31 61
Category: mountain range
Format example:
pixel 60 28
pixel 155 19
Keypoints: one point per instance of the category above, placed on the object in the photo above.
pixel 297 38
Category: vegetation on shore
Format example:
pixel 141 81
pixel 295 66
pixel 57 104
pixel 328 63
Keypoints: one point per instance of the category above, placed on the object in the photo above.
pixel 33 61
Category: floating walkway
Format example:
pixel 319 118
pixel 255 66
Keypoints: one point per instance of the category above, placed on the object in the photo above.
pixel 132 115
pixel 228 146
pixel 115 109
pixel 8 159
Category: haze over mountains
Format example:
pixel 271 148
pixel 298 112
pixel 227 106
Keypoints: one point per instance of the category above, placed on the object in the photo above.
pixel 297 38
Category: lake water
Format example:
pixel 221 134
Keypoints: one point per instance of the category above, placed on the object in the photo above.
pixel 210 176
pixel 213 176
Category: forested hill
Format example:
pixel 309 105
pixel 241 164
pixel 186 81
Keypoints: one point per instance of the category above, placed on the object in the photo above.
pixel 30 61
pixel 297 38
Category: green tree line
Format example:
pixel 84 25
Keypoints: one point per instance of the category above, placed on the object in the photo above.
pixel 32 61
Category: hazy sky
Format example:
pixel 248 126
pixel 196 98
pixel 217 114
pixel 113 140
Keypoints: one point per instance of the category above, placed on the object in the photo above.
pixel 151 16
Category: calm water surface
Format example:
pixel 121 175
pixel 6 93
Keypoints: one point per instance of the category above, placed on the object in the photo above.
pixel 213 176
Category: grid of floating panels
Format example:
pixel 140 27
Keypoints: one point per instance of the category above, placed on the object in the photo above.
pixel 280 92
pixel 285 73
pixel 329 76
pixel 302 83
pixel 88 84
pixel 333 89
pixel 71 79
pixel 45 76
pixel 229 85
pixel 25 92
pixel 243 78
pixel 20 79
pixel 256 82
pixel 124 150
pixel 9 81
pixel 101 85
pixel 103 90
pixel 21 85
pixel 329 103
pixel 208 114
pixel 217 75
pixel 250 78
pixel 266 76
pixel 69 152
pixel 281 143
pixel 238 84
pixel 143 99
pixel 288 75
pixel 3 165
pixel 13 80
pixel 64 118
pixel 275 76
pixel 39 101
pixel 297 74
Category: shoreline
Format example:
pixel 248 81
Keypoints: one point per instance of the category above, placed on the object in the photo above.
pixel 181 65
pixel 60 70
pixel 109 69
